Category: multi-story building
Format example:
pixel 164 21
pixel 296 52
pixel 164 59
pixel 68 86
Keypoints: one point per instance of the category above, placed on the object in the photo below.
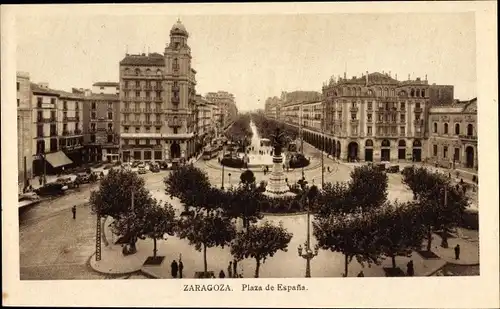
pixel 227 107
pixel 378 118
pixel 56 116
pixel 106 88
pixel 205 123
pixel 24 129
pixel 453 134
pixel 101 118
pixel 157 100
pixel 272 107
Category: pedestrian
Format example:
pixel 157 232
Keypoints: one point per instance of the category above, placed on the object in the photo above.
pixel 409 268
pixel 457 252
pixel 73 210
pixel 230 269
pixel 181 267
pixel 40 180
pixel 464 188
pixel 361 274
pixel 235 268
pixel 174 268
pixel 328 168
pixel 462 181
pixel 222 274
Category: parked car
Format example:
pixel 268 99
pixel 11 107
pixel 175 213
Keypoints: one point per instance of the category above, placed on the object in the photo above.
pixel 71 181
pixel 136 163
pixel 83 177
pixel 108 166
pixel 380 167
pixel 52 188
pixel 142 170
pixel 154 168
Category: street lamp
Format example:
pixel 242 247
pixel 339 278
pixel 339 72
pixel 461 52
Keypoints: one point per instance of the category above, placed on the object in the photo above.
pixel 309 254
pixel 223 154
pixel 229 174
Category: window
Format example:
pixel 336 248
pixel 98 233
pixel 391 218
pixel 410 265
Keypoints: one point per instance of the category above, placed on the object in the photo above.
pixel 137 142
pixel 137 129
pixel 93 105
pixel 369 117
pixel 445 152
pixel 92 127
pixel 17 102
pixel 39 102
pixel 175 130
pixel 137 83
pixel 402 118
pixel 126 84
pixel 369 130
pixel 110 105
pixel 417 117
pixel 158 94
pixel 369 105
pixel 457 129
pixel 158 142
pixel 65 127
pixel 158 106
pixel 403 105
pixel 158 129
pixel 417 105
pixel 39 115
pixel 434 150
pixel 353 104
pixel 402 131
pixel 393 118
pixel 125 129
pixel 39 130
pixel 470 130
pixel 435 130
pixel 147 142
pixel 125 142
pixel 65 116
pixel 137 94
pixel 148 129
pixel 102 88
pixel 110 138
pixel 380 117
pixel 92 138
pixel 148 94
pixel 93 115
pixel 52 101
pixel 386 106
pixel 456 156
pixel 445 128
pixel 110 115
pixel 110 127
pixel 17 85
pixel 353 116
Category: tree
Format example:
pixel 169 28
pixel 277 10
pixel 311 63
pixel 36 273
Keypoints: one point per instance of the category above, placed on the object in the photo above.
pixel 335 198
pixel 247 179
pixel 158 221
pixel 368 187
pixel 351 234
pixel 243 203
pixel 441 205
pixel 185 181
pixel 263 242
pixel 113 198
pixel 400 230
pixel 206 229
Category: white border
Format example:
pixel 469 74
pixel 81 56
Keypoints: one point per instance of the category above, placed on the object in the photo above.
pixel 456 292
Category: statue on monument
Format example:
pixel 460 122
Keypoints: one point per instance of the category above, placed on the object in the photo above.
pixel 278 142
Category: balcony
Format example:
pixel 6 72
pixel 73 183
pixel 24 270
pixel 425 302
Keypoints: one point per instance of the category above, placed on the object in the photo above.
pixel 175 100
pixel 148 99
pixel 472 138
pixel 158 99
pixel 157 88
pixel 126 110
pixel 53 133
pixel 136 110
pixel 369 120
pixel 175 88
pixel 147 110
pixel 353 109
pixel 131 122
pixel 65 108
pixel 148 87
pixel 147 123
pixel 67 133
pixel 175 123
pixel 418 110
pixel 46 120
pixel 418 122
pixel 157 122
pixel 78 132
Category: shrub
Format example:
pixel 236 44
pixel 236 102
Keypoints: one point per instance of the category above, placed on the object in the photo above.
pixel 232 162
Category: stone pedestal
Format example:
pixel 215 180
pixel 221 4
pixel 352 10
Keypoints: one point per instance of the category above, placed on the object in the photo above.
pixel 277 184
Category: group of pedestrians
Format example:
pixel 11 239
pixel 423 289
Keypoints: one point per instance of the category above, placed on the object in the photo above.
pixel 176 268
pixel 232 271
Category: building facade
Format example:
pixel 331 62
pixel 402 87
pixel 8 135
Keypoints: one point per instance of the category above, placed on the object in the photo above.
pixel 24 129
pixel 157 99
pixel 58 141
pixel 101 117
pixel 106 88
pixel 453 135
pixel 226 106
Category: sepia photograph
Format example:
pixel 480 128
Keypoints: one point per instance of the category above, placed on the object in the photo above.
pixel 238 146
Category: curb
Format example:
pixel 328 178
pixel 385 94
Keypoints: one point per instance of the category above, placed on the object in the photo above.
pixel 432 272
pixel 110 274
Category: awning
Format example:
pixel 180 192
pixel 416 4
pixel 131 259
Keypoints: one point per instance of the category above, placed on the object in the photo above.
pixel 57 159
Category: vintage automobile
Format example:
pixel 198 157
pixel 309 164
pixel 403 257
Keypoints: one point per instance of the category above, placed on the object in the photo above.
pixel 71 181
pixel 83 177
pixel 52 188
pixel 393 169
pixel 154 168
pixel 142 170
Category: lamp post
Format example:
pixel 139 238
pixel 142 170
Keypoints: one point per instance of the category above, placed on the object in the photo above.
pixel 308 254
pixel 223 153
pixel 229 174
pixel 322 155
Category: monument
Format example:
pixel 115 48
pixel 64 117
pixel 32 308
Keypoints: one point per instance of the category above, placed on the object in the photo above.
pixel 277 185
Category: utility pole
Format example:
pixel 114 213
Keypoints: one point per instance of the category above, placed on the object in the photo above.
pixel 98 237
pixel 223 153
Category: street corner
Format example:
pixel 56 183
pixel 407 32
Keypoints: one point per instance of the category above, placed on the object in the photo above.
pixel 113 262
pixel 468 252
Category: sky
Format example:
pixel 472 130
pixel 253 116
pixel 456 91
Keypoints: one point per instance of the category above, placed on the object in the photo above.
pixel 255 56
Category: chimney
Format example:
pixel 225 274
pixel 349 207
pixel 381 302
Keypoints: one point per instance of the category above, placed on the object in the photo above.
pixel 43 85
